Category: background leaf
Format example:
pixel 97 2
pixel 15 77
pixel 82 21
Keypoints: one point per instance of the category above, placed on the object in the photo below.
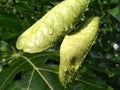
pixel 115 12
pixel 101 69
pixel 20 74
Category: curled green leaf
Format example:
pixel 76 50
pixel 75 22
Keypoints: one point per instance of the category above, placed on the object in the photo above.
pixel 74 49
pixel 53 26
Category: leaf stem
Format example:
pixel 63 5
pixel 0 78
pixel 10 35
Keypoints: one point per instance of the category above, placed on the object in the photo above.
pixel 28 88
pixel 37 70
pixel 48 70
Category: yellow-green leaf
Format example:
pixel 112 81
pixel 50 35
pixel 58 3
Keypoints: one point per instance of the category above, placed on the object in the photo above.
pixel 58 22
pixel 74 49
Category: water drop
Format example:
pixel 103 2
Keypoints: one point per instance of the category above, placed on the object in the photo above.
pixel 82 19
pixel 61 30
pixel 66 28
pixel 52 40
pixel 93 42
pixel 50 32
pixel 46 29
pixel 65 70
pixel 72 68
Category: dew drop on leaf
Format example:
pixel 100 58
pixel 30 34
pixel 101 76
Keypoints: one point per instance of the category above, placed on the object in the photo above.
pixel 65 70
pixel 50 32
pixel 52 40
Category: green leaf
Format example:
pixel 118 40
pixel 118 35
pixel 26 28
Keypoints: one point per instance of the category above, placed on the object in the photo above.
pixel 24 8
pixel 52 27
pixel 33 72
pixel 9 25
pixel 90 80
pixel 3 46
pixel 115 12
pixel 80 44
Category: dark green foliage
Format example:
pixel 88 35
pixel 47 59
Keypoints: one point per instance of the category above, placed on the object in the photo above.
pixel 101 69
